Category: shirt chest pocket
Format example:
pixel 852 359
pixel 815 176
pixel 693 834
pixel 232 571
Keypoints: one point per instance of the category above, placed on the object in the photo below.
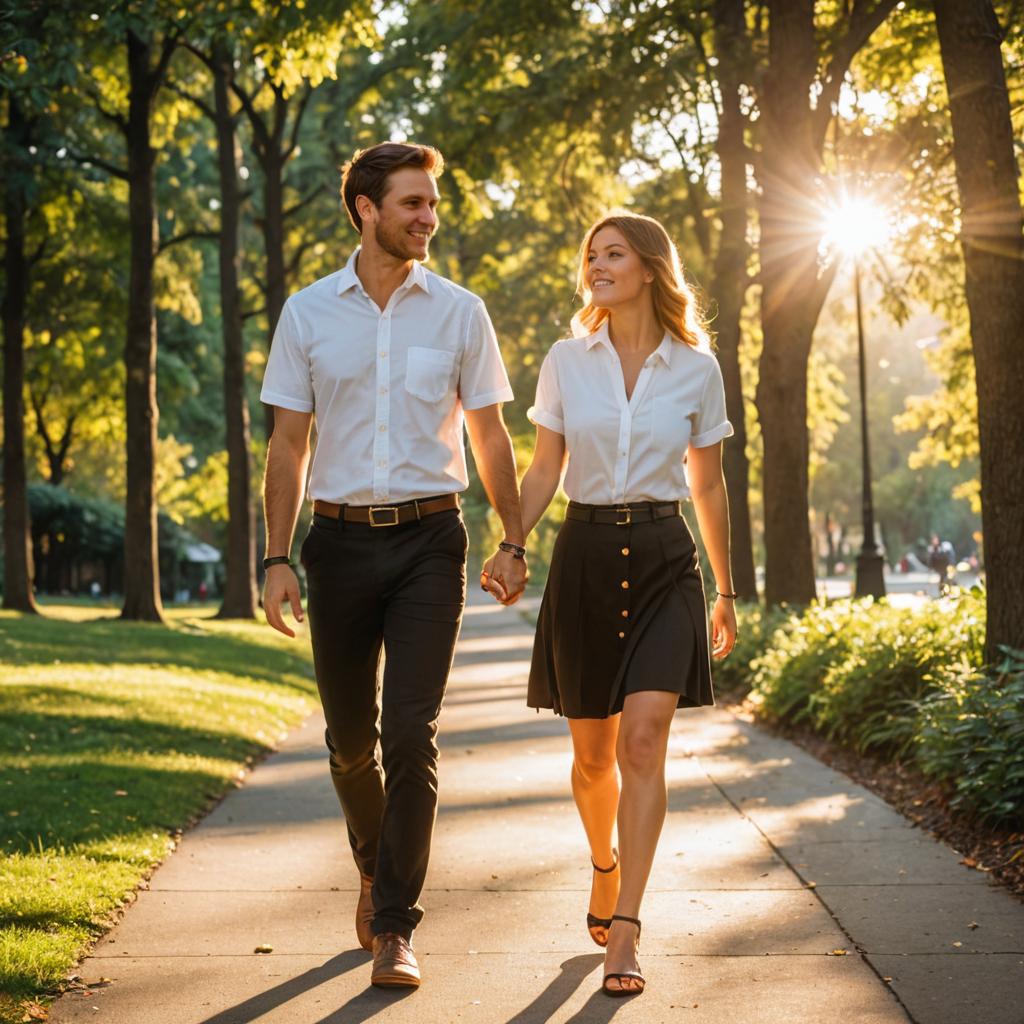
pixel 670 426
pixel 428 373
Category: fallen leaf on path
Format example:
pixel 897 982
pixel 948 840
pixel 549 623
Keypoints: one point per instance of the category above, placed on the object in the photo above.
pixel 812 885
pixel 264 949
pixel 35 1011
pixel 969 862
pixel 957 945
pixel 840 952
pixel 973 925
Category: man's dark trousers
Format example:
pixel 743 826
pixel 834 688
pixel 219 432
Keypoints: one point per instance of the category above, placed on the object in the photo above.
pixel 401 588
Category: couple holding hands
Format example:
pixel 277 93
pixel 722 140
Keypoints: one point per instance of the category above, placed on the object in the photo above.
pixel 393 361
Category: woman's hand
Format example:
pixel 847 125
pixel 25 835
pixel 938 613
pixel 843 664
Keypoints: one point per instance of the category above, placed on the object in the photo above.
pixel 723 627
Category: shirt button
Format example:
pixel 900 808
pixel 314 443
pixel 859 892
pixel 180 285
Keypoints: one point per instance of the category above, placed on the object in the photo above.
pixel 625 551
pixel 382 427
pixel 625 613
pixel 622 453
pixel 383 391
pixel 383 355
pixel 382 463
pixel 621 634
pixel 625 584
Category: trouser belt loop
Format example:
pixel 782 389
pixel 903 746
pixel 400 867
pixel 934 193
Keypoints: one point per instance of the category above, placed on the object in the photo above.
pixel 416 505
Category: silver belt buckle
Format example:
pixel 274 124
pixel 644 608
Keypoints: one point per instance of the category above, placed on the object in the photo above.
pixel 393 509
pixel 629 516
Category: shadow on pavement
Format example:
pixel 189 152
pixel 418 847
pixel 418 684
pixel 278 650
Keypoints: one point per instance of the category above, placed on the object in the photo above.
pixel 264 1002
pixel 367 1004
pixel 574 970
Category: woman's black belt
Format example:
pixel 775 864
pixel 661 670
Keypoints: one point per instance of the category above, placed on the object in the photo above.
pixel 623 515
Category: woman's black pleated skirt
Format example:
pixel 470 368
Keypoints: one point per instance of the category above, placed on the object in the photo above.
pixel 623 611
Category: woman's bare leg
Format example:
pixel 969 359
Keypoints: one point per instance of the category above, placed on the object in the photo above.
pixel 595 788
pixel 641 749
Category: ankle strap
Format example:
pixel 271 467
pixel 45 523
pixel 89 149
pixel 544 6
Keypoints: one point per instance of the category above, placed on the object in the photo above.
pixel 631 920
pixel 607 871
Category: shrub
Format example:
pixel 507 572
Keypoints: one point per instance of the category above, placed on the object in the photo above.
pixel 971 733
pixel 854 670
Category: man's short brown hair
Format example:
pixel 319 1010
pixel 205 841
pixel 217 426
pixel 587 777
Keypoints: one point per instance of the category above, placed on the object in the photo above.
pixel 366 174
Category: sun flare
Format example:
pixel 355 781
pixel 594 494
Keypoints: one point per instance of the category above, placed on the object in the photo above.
pixel 856 225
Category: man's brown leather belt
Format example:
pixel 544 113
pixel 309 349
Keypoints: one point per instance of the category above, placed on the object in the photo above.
pixel 622 515
pixel 387 515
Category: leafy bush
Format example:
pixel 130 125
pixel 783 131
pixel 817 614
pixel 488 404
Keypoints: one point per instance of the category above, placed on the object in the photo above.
pixel 854 670
pixel 971 733
pixel 907 682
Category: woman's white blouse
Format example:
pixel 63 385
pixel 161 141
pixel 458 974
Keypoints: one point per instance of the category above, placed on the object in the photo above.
pixel 633 450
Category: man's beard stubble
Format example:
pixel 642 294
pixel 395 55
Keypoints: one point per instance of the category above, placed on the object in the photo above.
pixel 395 244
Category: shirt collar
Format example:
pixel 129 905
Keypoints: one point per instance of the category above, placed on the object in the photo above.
pixel 348 278
pixel 600 337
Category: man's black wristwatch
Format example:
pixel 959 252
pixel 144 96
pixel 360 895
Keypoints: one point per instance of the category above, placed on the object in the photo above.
pixel 276 560
pixel 515 550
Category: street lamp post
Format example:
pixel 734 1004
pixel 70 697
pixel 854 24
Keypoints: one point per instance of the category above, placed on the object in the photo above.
pixel 870 578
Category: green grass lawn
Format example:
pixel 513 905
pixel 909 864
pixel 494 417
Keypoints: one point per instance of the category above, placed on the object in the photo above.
pixel 113 736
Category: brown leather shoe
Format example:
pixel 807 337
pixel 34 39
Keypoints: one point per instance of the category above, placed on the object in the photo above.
pixel 364 913
pixel 394 963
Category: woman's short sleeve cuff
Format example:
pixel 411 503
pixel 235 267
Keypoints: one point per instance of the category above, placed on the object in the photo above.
pixel 710 437
pixel 543 418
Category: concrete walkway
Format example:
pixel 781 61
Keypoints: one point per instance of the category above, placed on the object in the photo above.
pixel 770 865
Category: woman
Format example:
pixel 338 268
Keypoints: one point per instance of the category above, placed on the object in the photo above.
pixel 633 410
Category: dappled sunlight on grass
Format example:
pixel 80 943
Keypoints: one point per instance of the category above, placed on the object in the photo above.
pixel 116 735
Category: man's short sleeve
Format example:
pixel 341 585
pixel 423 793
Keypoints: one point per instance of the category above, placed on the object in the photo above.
pixel 287 381
pixel 546 410
pixel 482 377
pixel 710 424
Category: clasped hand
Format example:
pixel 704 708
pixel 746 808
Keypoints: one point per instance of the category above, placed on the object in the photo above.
pixel 504 577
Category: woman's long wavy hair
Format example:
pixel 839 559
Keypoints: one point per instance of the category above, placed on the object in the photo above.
pixel 675 304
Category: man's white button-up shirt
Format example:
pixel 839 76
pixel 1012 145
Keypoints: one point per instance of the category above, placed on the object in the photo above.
pixel 629 449
pixel 388 387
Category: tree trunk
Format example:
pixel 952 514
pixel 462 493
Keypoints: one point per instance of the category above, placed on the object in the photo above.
pixel 273 160
pixel 142 567
pixel 17 532
pixel 730 284
pixel 791 298
pixel 240 562
pixel 991 235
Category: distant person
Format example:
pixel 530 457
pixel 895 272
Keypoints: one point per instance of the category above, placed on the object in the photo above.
pixel 202 591
pixel 942 560
pixel 392 360
pixel 633 410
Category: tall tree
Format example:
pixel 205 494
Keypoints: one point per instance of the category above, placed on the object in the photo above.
pixel 239 600
pixel 796 104
pixel 730 275
pixel 17 552
pixel 993 244
pixel 149 54
pixel 240 561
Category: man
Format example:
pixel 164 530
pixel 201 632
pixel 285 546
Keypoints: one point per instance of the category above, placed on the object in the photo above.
pixel 392 360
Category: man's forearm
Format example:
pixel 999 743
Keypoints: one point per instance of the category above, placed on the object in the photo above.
pixel 496 465
pixel 282 495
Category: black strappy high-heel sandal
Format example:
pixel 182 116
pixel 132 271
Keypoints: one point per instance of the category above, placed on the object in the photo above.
pixel 601 922
pixel 622 976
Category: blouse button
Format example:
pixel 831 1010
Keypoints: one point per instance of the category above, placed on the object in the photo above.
pixel 625 613
pixel 621 635
pixel 625 551
pixel 625 584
